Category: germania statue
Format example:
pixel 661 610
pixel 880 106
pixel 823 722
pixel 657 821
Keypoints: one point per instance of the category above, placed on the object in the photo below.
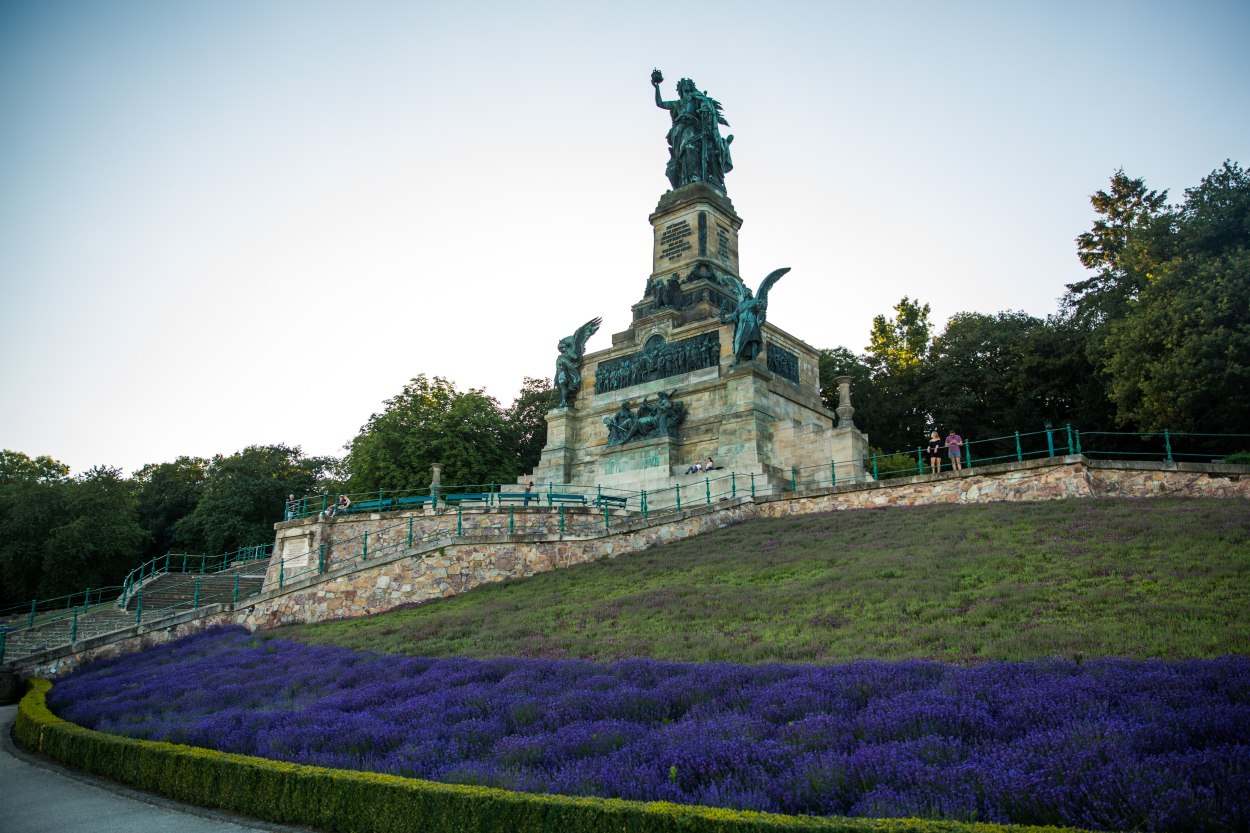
pixel 697 152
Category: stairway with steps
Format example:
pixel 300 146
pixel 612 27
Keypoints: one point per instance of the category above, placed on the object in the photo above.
pixel 177 591
pixel 161 594
pixel 44 636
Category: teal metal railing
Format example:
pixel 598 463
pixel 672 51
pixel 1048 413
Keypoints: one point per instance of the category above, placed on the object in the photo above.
pixel 1050 441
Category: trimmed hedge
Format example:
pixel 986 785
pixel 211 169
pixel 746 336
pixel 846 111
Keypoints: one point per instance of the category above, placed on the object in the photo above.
pixel 362 802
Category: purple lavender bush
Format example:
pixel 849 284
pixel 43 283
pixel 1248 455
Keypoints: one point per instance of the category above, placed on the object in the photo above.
pixel 1107 744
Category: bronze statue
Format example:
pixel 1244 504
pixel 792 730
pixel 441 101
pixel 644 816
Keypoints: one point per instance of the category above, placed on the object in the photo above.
pixel 748 317
pixel 569 362
pixel 697 152
pixel 660 419
pixel 620 424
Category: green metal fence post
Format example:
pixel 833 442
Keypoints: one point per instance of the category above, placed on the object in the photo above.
pixel 794 479
pixel 1167 443
pixel 321 559
pixel 364 547
pixel 459 518
pixel 644 504
pixel 3 630
pixel 919 461
pixel 605 519
pixel 733 484
pixel 752 485
pixel 874 467
pixel 707 487
pixel 1069 426
pixel 1078 442
pixel 409 532
pixel 73 629
pixel 86 603
pixel 184 566
pixel 833 472
pixel 968 452
pixel 678 488
pixel 1019 452
pixel 561 518
pixel 139 606
pixel 1050 439
pixel 281 571
pixel 196 603
pixel 511 520
pixel 167 562
pixel 203 556
pixel 235 603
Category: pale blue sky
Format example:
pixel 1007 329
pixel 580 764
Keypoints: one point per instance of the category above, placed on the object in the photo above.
pixel 225 223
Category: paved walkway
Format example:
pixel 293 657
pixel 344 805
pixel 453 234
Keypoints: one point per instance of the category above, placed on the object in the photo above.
pixel 37 796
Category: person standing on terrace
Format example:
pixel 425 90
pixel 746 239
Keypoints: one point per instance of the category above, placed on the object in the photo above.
pixel 935 452
pixel 955 450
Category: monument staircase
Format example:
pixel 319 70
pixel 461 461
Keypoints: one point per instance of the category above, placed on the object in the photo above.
pixel 50 633
pixel 149 594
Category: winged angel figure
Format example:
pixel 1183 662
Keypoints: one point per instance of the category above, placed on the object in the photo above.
pixel 748 317
pixel 569 362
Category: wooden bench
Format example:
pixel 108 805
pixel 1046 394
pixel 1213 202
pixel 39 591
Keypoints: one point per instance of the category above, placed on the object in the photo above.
pixel 557 497
pixel 611 501
pixel 518 497
pixel 467 497
pixel 416 500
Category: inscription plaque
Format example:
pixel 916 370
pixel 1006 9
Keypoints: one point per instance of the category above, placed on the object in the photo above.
pixel 673 242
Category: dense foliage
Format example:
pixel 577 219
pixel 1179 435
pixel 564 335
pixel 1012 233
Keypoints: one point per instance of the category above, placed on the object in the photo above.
pixel 1108 744
pixel 430 421
pixel 61 535
pixel 1157 337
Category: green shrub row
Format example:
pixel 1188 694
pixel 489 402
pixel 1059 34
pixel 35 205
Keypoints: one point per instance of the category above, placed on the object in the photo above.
pixel 343 800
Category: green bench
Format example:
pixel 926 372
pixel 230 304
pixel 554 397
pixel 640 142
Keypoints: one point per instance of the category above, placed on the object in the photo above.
pixel 562 498
pixel 416 500
pixel 367 506
pixel 518 497
pixel 467 497
pixel 611 502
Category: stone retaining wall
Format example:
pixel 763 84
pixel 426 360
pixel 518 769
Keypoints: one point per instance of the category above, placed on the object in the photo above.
pixel 455 564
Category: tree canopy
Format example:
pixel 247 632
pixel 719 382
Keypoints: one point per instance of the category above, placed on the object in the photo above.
pixel 428 422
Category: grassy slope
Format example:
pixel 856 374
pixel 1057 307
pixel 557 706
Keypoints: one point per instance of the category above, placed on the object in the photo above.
pixel 1158 578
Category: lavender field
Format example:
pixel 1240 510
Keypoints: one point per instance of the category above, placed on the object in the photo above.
pixel 1107 744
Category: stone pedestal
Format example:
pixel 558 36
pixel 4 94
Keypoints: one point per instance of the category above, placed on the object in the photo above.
pixel 691 224
pixel 555 464
pixel 762 418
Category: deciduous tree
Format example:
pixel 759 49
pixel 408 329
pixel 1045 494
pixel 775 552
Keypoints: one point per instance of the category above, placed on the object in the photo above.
pixel 432 422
